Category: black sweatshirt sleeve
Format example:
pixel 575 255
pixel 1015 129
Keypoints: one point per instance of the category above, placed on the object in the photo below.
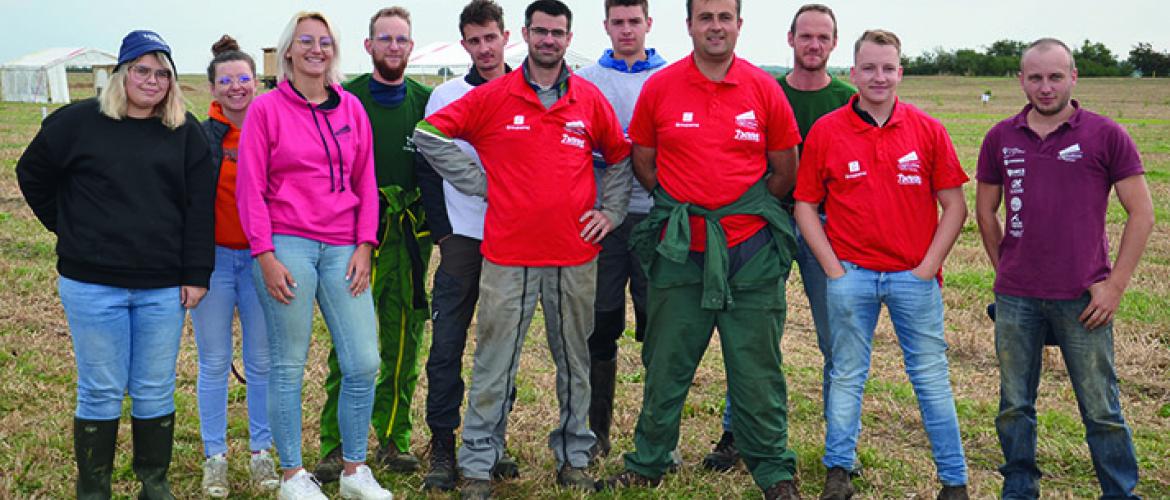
pixel 199 220
pixel 40 173
pixel 434 202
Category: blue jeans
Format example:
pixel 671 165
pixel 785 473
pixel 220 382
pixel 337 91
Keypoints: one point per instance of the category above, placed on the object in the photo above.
pixel 319 272
pixel 916 310
pixel 813 277
pixel 231 289
pixel 1020 326
pixel 125 340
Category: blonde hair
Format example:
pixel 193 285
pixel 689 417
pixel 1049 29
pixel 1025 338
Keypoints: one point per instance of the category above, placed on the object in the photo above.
pixel 878 37
pixel 173 108
pixel 284 70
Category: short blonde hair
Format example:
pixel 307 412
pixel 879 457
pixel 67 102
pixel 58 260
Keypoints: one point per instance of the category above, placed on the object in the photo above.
pixel 878 37
pixel 173 108
pixel 284 69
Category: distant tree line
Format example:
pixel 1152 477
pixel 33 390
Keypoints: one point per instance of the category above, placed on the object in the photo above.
pixel 1002 58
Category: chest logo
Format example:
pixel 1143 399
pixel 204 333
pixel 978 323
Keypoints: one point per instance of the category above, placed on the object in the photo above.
pixel 1071 154
pixel 518 123
pixel 909 163
pixel 855 170
pixel 1016 203
pixel 741 135
pixel 909 179
pixel 1017 186
pixel 575 127
pixel 747 120
pixel 688 121
pixel 572 140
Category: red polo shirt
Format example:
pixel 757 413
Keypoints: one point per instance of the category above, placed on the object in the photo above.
pixel 878 184
pixel 539 165
pixel 711 137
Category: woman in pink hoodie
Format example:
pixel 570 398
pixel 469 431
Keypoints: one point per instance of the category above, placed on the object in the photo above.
pixel 308 206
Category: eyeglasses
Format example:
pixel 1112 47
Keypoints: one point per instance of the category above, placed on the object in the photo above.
pixel 385 40
pixel 539 32
pixel 227 80
pixel 306 42
pixel 143 73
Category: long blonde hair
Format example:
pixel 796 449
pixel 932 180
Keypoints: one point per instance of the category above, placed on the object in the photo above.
pixel 172 110
pixel 284 69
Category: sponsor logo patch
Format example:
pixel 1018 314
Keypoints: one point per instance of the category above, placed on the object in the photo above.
pixel 1016 172
pixel 1017 186
pixel 909 163
pixel 575 127
pixel 1016 203
pixel 741 135
pixel 1071 154
pixel 518 124
pixel 855 170
pixel 747 120
pixel 909 180
pixel 688 121
pixel 1009 152
pixel 571 140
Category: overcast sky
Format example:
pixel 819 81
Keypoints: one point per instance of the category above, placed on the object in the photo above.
pixel 191 26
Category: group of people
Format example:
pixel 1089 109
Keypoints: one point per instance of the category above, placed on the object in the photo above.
pixel 334 193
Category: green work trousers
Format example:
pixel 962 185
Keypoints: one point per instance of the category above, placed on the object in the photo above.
pixel 677 334
pixel 400 332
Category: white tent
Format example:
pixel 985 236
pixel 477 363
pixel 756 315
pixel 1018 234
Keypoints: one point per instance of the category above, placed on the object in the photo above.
pixel 449 58
pixel 40 76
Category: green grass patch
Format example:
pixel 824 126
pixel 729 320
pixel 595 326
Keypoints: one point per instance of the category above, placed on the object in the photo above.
pixel 1139 305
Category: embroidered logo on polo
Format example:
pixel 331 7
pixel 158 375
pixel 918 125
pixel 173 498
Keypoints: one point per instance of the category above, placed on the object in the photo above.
pixel 855 170
pixel 688 121
pixel 747 120
pixel 575 127
pixel 909 163
pixel 408 145
pixel 1012 155
pixel 1015 222
pixel 1071 154
pixel 518 124
pixel 1017 186
pixel 1016 172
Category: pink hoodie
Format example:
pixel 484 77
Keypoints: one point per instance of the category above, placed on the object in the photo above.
pixel 306 171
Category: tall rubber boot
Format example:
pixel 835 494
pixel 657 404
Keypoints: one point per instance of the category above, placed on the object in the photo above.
pixel 153 440
pixel 94 442
pixel 601 381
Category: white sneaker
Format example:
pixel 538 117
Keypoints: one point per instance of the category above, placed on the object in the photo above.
pixel 263 471
pixel 302 486
pixel 215 481
pixel 361 485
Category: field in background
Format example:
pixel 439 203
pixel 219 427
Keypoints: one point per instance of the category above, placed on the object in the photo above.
pixel 37 392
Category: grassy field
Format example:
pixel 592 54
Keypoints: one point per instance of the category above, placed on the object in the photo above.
pixel 37 391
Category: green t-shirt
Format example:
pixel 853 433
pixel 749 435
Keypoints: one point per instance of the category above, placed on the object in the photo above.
pixel 393 130
pixel 809 105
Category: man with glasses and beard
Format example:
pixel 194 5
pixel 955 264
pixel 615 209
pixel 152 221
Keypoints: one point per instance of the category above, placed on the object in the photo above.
pixel 394 104
pixel 535 131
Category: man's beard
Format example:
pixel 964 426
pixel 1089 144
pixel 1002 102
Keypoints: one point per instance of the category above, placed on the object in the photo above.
pixel 388 73
pixel 824 63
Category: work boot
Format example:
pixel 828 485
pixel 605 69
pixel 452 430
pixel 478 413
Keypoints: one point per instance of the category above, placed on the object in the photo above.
pixel 505 468
pixel 154 439
pixel 953 493
pixel 630 479
pixel 782 490
pixel 476 489
pixel 838 485
pixel 442 474
pixel 724 456
pixel 601 383
pixel 576 478
pixel 390 457
pixel 93 447
pixel 329 468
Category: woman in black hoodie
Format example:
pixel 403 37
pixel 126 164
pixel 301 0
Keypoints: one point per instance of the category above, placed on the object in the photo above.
pixel 126 183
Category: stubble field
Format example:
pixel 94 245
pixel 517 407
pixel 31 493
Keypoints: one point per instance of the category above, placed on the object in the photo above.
pixel 37 387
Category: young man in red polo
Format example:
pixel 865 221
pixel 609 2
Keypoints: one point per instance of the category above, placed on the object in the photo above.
pixel 535 130
pixel 882 168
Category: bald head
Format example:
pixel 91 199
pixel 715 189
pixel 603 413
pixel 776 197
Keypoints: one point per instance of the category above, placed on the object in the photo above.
pixel 1045 45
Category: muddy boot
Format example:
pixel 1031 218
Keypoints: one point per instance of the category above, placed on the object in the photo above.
pixel 153 440
pixel 93 446
pixel 601 381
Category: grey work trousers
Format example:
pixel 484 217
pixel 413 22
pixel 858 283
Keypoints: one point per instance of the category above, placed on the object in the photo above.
pixel 507 300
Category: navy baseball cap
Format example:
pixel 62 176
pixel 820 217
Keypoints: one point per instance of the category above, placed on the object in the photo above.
pixel 140 42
